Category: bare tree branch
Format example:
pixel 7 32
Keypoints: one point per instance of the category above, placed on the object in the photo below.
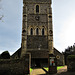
pixel 1 17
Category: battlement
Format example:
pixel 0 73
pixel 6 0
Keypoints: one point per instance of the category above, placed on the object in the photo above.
pixel 37 1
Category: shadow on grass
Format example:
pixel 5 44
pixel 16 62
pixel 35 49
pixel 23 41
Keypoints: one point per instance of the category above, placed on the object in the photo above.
pixel 63 73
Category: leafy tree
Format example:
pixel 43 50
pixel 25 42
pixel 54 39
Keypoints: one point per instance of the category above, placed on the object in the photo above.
pixel 0 56
pixel 5 55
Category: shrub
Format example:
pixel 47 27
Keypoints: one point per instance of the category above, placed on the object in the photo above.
pixel 5 55
pixel 70 57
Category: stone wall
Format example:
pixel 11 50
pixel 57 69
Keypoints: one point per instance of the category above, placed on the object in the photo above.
pixel 33 21
pixel 39 53
pixel 15 66
pixel 38 1
pixel 17 54
pixel 60 57
pixel 35 42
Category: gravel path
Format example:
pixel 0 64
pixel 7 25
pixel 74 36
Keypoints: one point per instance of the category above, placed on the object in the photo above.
pixel 63 69
pixel 37 71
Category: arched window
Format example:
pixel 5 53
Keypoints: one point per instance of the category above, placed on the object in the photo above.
pixel 37 8
pixel 31 31
pixel 37 31
pixel 43 31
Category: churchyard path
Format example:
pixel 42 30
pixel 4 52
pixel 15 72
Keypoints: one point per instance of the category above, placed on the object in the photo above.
pixel 63 69
pixel 37 71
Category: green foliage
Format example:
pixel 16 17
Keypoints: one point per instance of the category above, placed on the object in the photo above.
pixel 71 57
pixel 5 55
pixel 0 56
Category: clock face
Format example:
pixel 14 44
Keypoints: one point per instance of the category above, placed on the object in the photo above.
pixel 37 18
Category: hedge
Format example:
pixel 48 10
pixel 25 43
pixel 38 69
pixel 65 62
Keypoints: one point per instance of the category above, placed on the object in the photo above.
pixel 71 57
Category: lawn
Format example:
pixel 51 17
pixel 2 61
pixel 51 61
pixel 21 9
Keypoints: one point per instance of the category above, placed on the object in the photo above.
pixel 31 69
pixel 59 67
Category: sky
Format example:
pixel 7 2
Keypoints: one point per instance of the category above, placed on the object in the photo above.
pixel 11 24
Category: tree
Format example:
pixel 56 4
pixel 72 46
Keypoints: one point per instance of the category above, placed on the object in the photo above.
pixel 0 56
pixel 5 55
pixel 1 16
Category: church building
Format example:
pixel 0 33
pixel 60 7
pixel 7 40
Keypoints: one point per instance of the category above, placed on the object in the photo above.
pixel 37 32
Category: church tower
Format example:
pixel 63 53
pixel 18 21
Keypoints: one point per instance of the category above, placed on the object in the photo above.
pixel 37 28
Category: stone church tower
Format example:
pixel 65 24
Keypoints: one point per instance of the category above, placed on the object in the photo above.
pixel 37 31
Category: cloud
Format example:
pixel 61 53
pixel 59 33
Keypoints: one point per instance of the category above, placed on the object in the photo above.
pixel 63 23
pixel 67 36
pixel 10 29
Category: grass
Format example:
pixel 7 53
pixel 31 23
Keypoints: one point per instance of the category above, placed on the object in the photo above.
pixel 46 69
pixel 31 69
pixel 59 67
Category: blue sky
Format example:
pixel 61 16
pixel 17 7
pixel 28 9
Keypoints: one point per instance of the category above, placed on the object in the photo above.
pixel 11 24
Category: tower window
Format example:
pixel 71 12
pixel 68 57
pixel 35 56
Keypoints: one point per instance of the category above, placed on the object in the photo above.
pixel 37 31
pixel 43 31
pixel 24 31
pixel 37 8
pixel 31 31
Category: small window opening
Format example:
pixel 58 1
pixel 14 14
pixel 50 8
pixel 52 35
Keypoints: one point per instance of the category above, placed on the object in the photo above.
pixel 43 31
pixel 24 31
pixel 37 8
pixel 31 31
pixel 37 31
